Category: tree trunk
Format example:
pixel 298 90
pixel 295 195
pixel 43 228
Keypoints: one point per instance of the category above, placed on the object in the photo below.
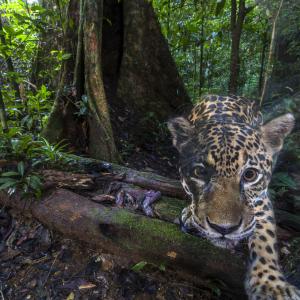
pixel 201 67
pixel 101 141
pixel 3 118
pixel 283 77
pixel 9 63
pixel 267 80
pixel 125 71
pixel 62 123
pixel 91 133
pixel 262 62
pixel 238 15
pixel 148 78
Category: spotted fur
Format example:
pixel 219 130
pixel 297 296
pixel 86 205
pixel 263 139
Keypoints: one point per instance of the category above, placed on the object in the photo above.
pixel 226 157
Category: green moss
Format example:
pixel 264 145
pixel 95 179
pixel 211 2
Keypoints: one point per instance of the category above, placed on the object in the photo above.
pixel 169 208
pixel 152 233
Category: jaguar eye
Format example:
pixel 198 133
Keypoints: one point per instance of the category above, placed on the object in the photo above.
pixel 250 175
pixel 199 171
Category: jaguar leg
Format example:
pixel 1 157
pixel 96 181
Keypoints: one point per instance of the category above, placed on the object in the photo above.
pixel 265 279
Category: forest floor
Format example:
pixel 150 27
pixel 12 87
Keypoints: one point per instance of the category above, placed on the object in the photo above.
pixel 38 264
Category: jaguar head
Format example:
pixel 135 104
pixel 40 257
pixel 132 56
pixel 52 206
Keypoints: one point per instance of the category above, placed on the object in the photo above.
pixel 225 169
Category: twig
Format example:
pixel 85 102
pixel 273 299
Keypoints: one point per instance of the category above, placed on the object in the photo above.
pixel 1 293
pixel 54 261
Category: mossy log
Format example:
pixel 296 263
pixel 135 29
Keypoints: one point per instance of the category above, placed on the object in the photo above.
pixel 168 209
pixel 110 172
pixel 168 187
pixel 122 232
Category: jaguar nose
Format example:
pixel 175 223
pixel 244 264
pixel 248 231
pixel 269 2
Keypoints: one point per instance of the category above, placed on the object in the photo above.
pixel 224 228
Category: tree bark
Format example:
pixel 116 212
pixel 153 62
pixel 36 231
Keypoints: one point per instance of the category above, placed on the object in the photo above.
pixel 146 67
pixel 101 140
pixel 91 133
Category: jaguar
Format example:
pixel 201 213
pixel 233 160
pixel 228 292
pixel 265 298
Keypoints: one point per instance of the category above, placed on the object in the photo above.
pixel 226 158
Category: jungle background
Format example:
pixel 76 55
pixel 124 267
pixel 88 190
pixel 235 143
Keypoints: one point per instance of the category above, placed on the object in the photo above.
pixel 100 79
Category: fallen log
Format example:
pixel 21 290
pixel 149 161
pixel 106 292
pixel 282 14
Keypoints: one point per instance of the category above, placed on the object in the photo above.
pixel 166 186
pixel 122 232
pixel 148 180
pixel 77 181
pixel 109 173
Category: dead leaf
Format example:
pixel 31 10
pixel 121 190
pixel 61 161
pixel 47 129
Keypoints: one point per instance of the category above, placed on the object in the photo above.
pixel 103 197
pixel 122 119
pixel 87 285
pixel 71 296
pixel 172 254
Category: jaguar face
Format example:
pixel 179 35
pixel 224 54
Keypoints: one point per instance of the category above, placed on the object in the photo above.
pixel 225 169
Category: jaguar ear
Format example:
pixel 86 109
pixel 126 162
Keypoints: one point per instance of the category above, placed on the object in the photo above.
pixel 181 131
pixel 275 131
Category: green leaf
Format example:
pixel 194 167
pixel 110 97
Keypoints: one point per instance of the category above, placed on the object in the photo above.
pixel 21 168
pixel 139 266
pixel 36 162
pixel 8 29
pixel 281 179
pixel 7 185
pixel 37 8
pixel 7 179
pixel 66 56
pixel 35 182
pixel 220 6
pixel 162 267
pixel 108 21
pixel 10 173
pixel 22 37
